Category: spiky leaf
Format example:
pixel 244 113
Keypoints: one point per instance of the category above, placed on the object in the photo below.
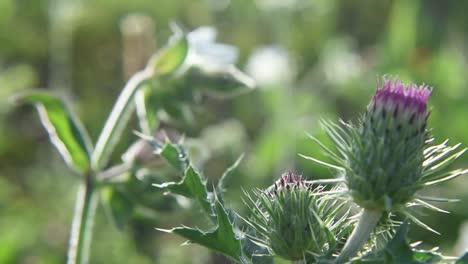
pixel 223 181
pixel 191 186
pixel 221 239
pixel 176 156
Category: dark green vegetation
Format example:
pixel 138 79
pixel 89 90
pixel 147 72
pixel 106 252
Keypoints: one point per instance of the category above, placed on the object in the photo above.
pixel 337 49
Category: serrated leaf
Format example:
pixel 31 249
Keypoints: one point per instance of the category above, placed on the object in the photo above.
pixel 258 254
pixel 119 205
pixel 64 128
pixel 117 120
pixel 398 250
pixel 223 181
pixel 172 55
pixel 191 186
pixel 221 239
pixel 176 156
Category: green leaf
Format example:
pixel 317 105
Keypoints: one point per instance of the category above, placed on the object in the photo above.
pixel 220 81
pixel 221 239
pixel 172 55
pixel 398 250
pixel 176 156
pixel 147 109
pixel 223 181
pixel 191 186
pixel 64 128
pixel 463 259
pixel 119 205
pixel 117 120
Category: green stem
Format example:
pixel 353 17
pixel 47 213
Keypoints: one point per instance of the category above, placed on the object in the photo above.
pixel 366 224
pixel 118 119
pixel 83 218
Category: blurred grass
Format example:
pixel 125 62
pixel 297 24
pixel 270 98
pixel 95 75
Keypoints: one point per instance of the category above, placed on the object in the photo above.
pixel 338 49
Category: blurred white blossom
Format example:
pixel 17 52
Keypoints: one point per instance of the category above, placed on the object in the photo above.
pixel 210 65
pixel 271 65
pixel 340 63
pixel 203 48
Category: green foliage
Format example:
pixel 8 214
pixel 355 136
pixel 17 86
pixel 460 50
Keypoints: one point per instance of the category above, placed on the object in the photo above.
pixel 147 108
pixel 176 155
pixel 121 207
pixel 169 59
pixel 222 239
pixel 225 238
pixel 123 187
pixel 463 259
pixel 363 161
pixel 64 128
pixel 166 62
pixel 228 173
pixel 117 120
pixel 294 221
pixel 398 250
pixel 334 48
pixel 191 186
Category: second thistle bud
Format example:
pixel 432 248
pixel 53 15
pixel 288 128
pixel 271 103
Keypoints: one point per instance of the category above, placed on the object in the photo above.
pixel 386 160
pixel 289 219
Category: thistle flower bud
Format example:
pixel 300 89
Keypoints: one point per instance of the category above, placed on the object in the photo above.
pixel 291 219
pixel 387 155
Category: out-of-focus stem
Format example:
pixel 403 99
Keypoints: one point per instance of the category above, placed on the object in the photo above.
pixel 139 43
pixel 366 224
pixel 83 219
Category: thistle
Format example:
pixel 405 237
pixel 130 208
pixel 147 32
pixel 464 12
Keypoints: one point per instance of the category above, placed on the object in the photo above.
pixel 293 221
pixel 388 156
pixel 385 159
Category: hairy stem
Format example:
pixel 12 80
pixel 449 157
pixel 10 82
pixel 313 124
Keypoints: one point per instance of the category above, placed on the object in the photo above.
pixel 366 224
pixel 83 218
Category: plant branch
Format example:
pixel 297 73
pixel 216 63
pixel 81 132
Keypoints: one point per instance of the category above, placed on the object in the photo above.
pixel 114 171
pixel 118 119
pixel 366 224
pixel 83 218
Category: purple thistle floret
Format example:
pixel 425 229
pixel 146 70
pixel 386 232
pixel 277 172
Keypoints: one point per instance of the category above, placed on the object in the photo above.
pixel 291 219
pixel 403 97
pixel 387 156
pixel 289 181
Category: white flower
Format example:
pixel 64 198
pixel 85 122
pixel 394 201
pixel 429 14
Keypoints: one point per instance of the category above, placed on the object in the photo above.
pixel 271 65
pixel 203 48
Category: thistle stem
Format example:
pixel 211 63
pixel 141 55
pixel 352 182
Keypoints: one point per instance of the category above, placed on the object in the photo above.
pixel 366 224
pixel 83 218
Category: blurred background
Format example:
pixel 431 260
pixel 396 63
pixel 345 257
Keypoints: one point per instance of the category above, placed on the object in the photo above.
pixel 312 59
